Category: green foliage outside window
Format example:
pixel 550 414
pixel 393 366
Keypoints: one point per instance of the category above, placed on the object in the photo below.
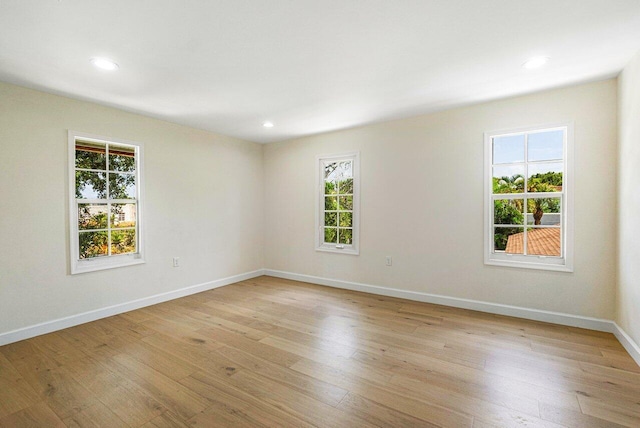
pixel 338 203
pixel 93 244
pixel 123 241
pixel 95 164
pixel 511 211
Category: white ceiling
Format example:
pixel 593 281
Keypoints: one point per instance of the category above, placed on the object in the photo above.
pixel 308 65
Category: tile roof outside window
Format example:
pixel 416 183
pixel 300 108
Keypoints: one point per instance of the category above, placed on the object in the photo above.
pixel 542 242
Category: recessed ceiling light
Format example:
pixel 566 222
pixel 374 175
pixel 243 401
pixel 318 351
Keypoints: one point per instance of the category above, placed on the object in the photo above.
pixel 104 64
pixel 267 124
pixel 535 62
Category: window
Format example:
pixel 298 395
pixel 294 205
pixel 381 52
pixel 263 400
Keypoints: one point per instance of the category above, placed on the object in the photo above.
pixel 337 216
pixel 529 199
pixel 105 203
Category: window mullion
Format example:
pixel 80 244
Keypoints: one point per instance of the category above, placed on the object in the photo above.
pixel 323 198
pixel 108 202
pixel 495 196
pixel 525 236
pixel 562 219
pixel 89 170
pixel 90 201
pixel 337 214
pixel 525 208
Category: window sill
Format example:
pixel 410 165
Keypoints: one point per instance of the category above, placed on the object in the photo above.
pixel 107 263
pixel 332 249
pixel 529 265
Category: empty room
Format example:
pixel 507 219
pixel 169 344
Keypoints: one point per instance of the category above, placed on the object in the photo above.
pixel 296 213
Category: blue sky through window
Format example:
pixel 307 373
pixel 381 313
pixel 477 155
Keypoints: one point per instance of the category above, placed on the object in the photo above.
pixel 547 145
pixel 508 149
pixel 545 151
pixel 508 170
pixel 541 168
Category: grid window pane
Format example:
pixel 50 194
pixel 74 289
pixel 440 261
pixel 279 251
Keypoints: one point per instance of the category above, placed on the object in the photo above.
pixel 93 244
pixel 544 211
pixel 346 169
pixel 122 158
pixel 123 241
pixel 91 185
pixel 508 149
pixel 123 215
pixel 346 203
pixel 331 235
pixel 544 241
pixel 509 240
pixel 548 145
pixel 508 211
pixel 330 188
pixel 336 171
pixel 91 155
pixel 331 203
pixel 346 186
pixel 346 219
pixel 545 177
pixel 92 216
pixel 329 171
pixel 122 186
pixel 508 179
pixel 345 236
pixel 331 219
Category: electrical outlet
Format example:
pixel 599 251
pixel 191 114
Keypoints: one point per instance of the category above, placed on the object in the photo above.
pixel 176 262
pixel 388 261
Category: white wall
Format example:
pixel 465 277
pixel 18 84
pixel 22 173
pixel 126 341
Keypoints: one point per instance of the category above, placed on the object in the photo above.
pixel 422 203
pixel 203 203
pixel 628 296
pixel 218 202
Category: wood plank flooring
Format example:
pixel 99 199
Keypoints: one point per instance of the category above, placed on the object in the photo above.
pixel 271 352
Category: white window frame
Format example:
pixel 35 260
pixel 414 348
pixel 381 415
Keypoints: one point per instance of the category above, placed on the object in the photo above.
pixel 354 248
pixel 78 265
pixel 563 263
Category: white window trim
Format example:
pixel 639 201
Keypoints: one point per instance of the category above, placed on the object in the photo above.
pixel 90 265
pixel 354 248
pixel 562 264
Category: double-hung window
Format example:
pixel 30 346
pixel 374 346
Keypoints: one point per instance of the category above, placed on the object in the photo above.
pixel 528 197
pixel 337 215
pixel 105 203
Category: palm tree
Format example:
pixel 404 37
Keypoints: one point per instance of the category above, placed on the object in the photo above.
pixel 539 205
pixel 513 184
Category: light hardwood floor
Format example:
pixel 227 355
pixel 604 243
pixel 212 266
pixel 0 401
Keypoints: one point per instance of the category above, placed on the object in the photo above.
pixel 272 352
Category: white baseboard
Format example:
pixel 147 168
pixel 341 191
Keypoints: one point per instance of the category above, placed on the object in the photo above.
pixel 629 344
pixel 494 308
pixel 73 320
pixel 456 302
pixel 476 305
